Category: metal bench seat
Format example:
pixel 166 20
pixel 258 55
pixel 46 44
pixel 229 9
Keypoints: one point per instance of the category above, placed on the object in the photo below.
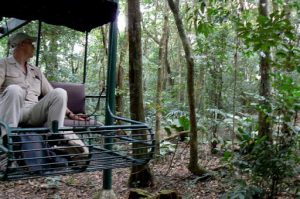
pixel 77 102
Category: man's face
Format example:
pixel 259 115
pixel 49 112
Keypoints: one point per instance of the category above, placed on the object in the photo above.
pixel 28 47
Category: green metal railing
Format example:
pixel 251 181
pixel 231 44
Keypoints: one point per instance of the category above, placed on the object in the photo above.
pixel 110 99
pixel 102 155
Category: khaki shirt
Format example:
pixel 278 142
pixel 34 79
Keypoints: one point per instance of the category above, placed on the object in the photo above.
pixel 34 83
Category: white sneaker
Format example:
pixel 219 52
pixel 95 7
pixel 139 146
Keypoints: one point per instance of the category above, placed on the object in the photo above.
pixel 3 161
pixel 76 144
pixel 2 132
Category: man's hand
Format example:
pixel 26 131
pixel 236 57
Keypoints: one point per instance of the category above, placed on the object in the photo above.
pixel 79 116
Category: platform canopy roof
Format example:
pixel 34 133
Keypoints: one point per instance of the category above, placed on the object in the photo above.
pixel 81 15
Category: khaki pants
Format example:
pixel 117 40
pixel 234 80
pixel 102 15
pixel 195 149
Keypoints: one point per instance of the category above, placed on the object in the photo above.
pixel 14 109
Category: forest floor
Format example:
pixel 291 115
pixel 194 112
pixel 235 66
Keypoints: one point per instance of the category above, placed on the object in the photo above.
pixel 171 173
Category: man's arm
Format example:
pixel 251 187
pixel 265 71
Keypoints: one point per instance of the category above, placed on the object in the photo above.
pixel 46 86
pixel 2 72
pixel 79 116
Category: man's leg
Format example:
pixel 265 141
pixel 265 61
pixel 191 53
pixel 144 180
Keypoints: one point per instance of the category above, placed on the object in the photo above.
pixel 51 107
pixel 11 102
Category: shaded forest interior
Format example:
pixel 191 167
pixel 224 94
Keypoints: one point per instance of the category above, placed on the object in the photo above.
pixel 217 79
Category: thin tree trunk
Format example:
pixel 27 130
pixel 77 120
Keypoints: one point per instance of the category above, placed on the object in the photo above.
pixel 120 77
pixel 104 38
pixel 169 78
pixel 180 93
pixel 193 164
pixel 102 71
pixel 201 90
pixel 140 176
pixel 264 90
pixel 202 83
pixel 215 95
pixel 52 52
pixel 235 65
pixel 159 85
pixel 158 114
pixel 217 89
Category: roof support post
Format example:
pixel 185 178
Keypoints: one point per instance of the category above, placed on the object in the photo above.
pixel 110 94
pixel 85 56
pixel 38 43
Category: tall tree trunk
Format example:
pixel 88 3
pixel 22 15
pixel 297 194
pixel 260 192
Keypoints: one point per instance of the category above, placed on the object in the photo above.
pixel 235 78
pixel 202 77
pixel 167 68
pixel 53 52
pixel 158 114
pixel 159 82
pixel 169 78
pixel 104 38
pixel 216 96
pixel 102 71
pixel 120 76
pixel 51 49
pixel 140 176
pixel 193 164
pixel 217 89
pixel 264 128
pixel 201 90
pixel 181 89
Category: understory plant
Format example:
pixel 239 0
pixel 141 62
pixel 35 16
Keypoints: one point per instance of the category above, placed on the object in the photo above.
pixel 264 168
pixel 179 122
pixel 267 167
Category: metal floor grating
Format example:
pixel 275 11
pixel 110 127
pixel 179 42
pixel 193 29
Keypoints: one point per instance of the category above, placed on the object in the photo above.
pixel 100 159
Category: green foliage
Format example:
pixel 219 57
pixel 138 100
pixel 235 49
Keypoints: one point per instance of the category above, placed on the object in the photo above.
pixel 286 96
pixel 178 122
pixel 167 147
pixel 266 32
pixel 287 57
pixel 269 165
pixel 205 28
pixel 3 45
pixel 243 191
pixel 211 27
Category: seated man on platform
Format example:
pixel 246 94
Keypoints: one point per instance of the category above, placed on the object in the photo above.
pixel 21 84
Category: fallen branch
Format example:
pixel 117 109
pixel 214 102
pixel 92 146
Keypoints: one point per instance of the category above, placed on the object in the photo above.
pixel 181 134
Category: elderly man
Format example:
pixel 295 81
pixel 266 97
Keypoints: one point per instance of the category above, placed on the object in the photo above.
pixel 21 84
